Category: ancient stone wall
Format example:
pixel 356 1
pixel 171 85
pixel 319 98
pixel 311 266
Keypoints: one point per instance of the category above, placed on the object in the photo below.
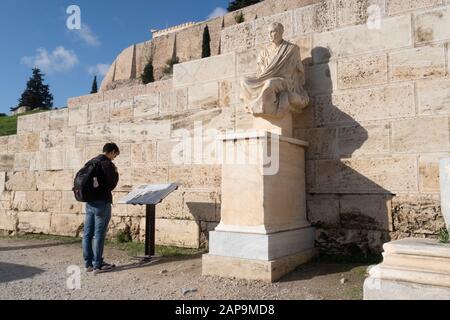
pixel 378 124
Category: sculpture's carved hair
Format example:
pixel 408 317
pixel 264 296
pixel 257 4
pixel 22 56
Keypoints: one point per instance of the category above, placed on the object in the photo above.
pixel 277 26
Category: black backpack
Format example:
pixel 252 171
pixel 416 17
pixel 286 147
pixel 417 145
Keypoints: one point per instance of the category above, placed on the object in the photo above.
pixel 84 182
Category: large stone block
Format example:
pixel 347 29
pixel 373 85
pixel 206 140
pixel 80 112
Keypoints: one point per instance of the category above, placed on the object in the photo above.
pixel 2 181
pixel 321 78
pixel 21 181
pixel 239 37
pixel 147 105
pixel 121 110
pixel 22 161
pixel 178 233
pixel 434 96
pixel 38 161
pixel 34 222
pixel 203 96
pixel 384 175
pixel 229 93
pixel 432 25
pixel 205 70
pixel 323 142
pixel 6 162
pixel 318 17
pixel 27 142
pixel 70 225
pixel 143 153
pixel 247 62
pixel 202 205
pixel 364 140
pixel 54 180
pixel 418 63
pixel 96 134
pixel 366 104
pixel 59 118
pixel 8 220
pixel 6 198
pixel 393 33
pixel 79 115
pixel 196 176
pixel 323 211
pixel 124 64
pixel 149 175
pixel 69 205
pixel 401 6
pixel 367 70
pixel 52 201
pixel 358 11
pixel 172 207
pixel 262 26
pixel 212 119
pixel 429 172
pixel 174 101
pixel 85 100
pixel 55 159
pixel 74 158
pixel 99 112
pixel 28 201
pixel 57 138
pixel 420 135
pixel 141 132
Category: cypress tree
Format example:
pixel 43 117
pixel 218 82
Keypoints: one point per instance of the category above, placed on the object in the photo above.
pixel 206 46
pixel 94 86
pixel 147 75
pixel 36 94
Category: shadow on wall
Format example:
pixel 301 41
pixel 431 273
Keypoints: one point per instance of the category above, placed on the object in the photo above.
pixel 351 213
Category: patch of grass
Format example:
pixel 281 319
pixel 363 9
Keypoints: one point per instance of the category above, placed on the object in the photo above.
pixel 354 293
pixel 8 124
pixel 444 236
pixel 42 237
pixel 138 249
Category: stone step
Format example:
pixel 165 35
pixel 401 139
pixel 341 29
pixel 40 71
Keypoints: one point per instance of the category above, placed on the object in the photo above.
pixel 410 275
pixel 418 247
pixel 416 262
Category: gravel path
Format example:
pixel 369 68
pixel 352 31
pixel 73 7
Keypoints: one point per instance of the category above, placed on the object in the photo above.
pixel 31 269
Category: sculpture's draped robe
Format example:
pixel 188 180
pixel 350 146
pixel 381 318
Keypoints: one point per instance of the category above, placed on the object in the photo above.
pixel 278 85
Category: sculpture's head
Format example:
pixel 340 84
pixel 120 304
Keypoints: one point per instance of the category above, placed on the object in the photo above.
pixel 276 31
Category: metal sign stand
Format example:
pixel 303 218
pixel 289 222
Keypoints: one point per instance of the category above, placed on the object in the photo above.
pixel 150 226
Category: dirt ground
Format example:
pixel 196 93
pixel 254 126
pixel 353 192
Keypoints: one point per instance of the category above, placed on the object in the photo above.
pixel 36 269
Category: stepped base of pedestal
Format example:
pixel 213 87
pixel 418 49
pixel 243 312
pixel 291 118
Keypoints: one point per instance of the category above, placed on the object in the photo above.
pixel 269 271
pixel 412 269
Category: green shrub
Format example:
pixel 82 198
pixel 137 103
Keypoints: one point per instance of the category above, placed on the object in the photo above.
pixel 239 17
pixel 444 236
pixel 169 65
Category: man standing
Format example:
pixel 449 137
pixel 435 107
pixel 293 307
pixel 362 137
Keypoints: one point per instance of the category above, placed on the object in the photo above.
pixel 98 209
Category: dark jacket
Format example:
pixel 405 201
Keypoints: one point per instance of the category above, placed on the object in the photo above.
pixel 108 178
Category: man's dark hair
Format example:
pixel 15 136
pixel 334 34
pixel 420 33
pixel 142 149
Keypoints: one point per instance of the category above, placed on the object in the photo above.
pixel 110 147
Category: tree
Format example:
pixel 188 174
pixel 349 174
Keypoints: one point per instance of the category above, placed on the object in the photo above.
pixel 147 75
pixel 206 46
pixel 239 4
pixel 36 95
pixel 94 86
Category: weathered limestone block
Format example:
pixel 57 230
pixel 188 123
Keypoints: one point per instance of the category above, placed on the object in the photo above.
pixel 121 110
pixel 318 17
pixel 228 93
pixel 6 200
pixel 69 205
pixel 305 44
pixel 323 211
pixel 417 214
pixel 27 142
pixel 212 119
pixel 322 78
pixel 6 162
pixel 202 205
pixel 382 175
pixel 238 37
pixel 4 143
pixel 429 172
pixel 99 112
pixel 85 100
pixel 22 161
pixel 38 161
pixel 57 138
pixel 364 140
pixel 247 62
pixel 141 132
pixel 28 201
pixel 92 151
pixel 362 71
pixel 2 181
pixel 55 159
pixel 168 152
pixel 323 142
pixel 358 11
pixel 55 180
pixel 70 225
pixel 174 101
pixel 52 201
pixel 262 24
pixel 393 33
pixel 385 103
pixel 74 158
pixel 8 220
pixel 401 6
pixel 124 64
pixel 434 96
pixel 205 70
pixel 203 96
pixel 59 119
pixel 21 181
pixel 25 123
pixel 172 207
pixel 143 153
pixel 79 115
pixel 370 212
pixel 34 222
pixel 178 233
pixel 119 209
pixel 147 105
pixel 34 122
pixel 149 175
pixel 432 25
pixel 418 63
pixel 420 135
pixel 96 134
pixel 196 176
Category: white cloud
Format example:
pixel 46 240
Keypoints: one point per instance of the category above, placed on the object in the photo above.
pixel 59 60
pixel 99 69
pixel 86 35
pixel 217 12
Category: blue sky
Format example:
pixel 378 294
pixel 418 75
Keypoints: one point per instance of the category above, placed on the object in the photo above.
pixel 35 33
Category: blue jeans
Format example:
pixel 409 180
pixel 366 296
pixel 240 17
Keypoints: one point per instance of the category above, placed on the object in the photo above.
pixel 98 215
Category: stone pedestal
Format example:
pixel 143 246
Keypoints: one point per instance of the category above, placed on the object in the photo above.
pixel 412 269
pixel 264 233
